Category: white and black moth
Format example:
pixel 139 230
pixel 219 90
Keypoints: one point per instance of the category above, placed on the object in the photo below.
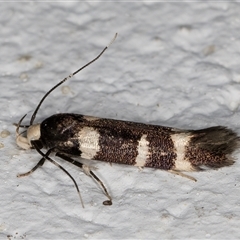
pixel 143 145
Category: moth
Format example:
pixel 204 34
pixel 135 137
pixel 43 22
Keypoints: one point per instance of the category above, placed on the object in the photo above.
pixel 69 135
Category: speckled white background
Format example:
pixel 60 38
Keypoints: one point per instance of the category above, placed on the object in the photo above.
pixel 175 64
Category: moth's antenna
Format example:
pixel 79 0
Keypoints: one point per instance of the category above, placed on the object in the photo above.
pixel 65 79
pixel 19 124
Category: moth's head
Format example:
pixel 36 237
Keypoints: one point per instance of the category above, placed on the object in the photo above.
pixel 33 133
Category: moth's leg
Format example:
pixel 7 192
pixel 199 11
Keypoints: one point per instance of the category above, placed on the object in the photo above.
pixel 88 171
pixel 39 164
pixel 45 156
pixel 182 175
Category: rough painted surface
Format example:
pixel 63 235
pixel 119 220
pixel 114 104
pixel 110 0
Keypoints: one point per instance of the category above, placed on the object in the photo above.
pixel 179 71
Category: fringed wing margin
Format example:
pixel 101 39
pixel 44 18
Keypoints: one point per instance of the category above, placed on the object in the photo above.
pixel 212 147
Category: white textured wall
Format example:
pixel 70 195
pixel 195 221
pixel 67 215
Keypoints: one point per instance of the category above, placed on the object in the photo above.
pixel 173 64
